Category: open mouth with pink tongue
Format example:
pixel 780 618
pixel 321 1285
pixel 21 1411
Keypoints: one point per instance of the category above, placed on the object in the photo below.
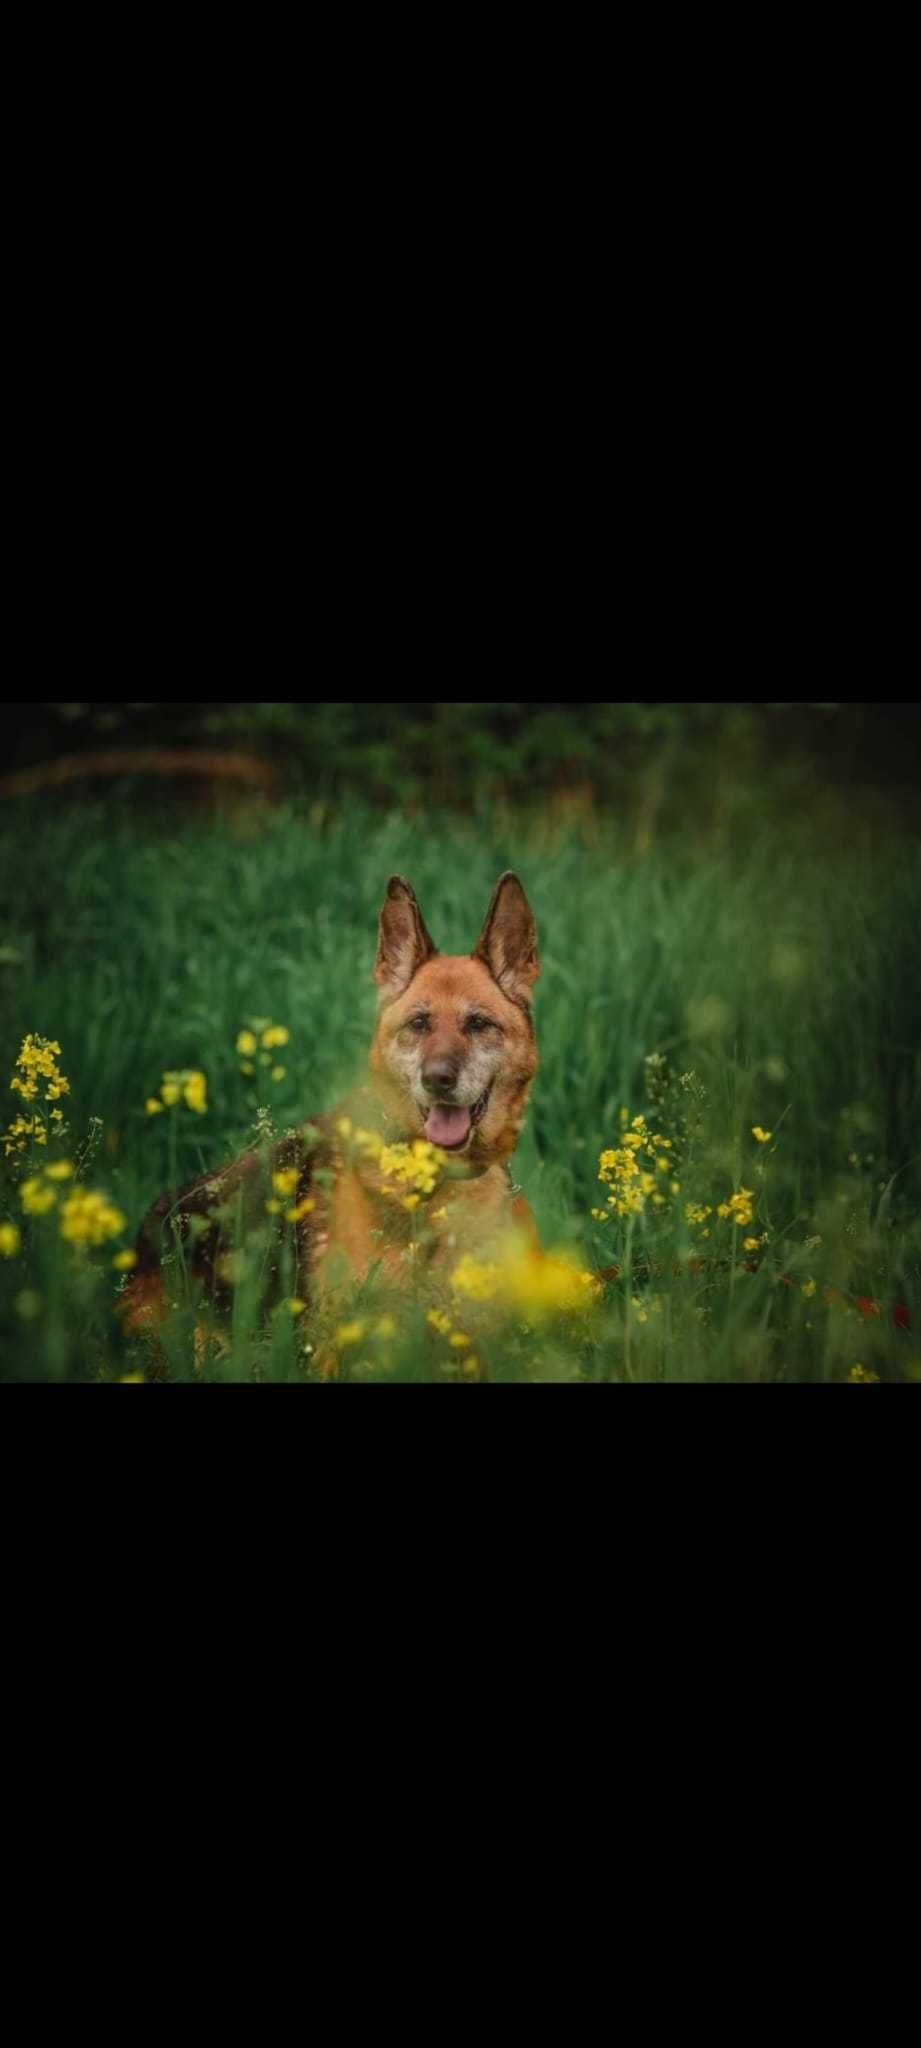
pixel 449 1125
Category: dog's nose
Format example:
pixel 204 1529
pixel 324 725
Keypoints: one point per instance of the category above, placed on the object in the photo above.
pixel 439 1077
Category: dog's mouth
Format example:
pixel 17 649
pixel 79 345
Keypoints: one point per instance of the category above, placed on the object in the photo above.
pixel 451 1125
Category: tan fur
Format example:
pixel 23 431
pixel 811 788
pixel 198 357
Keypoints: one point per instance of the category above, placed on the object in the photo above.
pixel 477 1041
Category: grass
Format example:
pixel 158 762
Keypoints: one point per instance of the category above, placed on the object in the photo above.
pixel 776 963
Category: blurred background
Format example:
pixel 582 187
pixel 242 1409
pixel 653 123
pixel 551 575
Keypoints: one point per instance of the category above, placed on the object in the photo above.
pixel 622 758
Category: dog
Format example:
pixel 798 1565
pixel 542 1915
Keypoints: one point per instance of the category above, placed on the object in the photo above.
pixel 451 1064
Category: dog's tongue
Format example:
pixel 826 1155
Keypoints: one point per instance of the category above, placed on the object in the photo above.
pixel 447 1127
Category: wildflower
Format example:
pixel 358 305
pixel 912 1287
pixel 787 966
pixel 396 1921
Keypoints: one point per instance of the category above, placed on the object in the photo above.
pixel 36 1198
pixel 38 1062
pixel 10 1240
pixel 273 1208
pixel 479 1281
pixel 90 1219
pixel 738 1207
pixel 278 1073
pixel 386 1327
pixel 416 1167
pixel 410 1201
pixel 295 1306
pixel 276 1035
pixel 344 1127
pixel 195 1093
pixel 697 1212
pixel 124 1262
pixel 808 1288
pixel 61 1170
pixel 304 1208
pixel 19 1133
pixel 860 1372
pixel 154 1106
pixel 438 1215
pixel 285 1183
pixel 537 1283
pixel 752 1244
pixel 170 1093
pixel 132 1379
pixel 350 1333
pixel 439 1321
pixel 246 1044
pixel 459 1341
pixel 762 1136
pixel 471 1366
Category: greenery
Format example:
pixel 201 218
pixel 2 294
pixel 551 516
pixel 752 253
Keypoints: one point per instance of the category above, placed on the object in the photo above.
pixel 755 966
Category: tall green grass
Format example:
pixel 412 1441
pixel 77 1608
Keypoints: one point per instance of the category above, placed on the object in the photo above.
pixel 776 961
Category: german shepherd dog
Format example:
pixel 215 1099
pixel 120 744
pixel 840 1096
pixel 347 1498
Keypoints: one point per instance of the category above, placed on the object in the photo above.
pixel 452 1060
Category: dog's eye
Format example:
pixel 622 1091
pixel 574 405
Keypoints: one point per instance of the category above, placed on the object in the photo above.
pixel 478 1023
pixel 418 1024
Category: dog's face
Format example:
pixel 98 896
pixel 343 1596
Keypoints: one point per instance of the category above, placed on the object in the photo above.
pixel 454 1047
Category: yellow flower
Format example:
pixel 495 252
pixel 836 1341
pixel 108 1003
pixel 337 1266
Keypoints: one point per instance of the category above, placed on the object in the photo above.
pixel 247 1068
pixel 752 1244
pixel 350 1333
pixel 61 1170
pixel 386 1327
pixel 195 1091
pixel 762 1136
pixel 124 1262
pixel 273 1208
pixel 344 1126
pixel 275 1036
pixel 153 1106
pixel 439 1321
pixel 416 1166
pixel 278 1073
pixel 808 1288
pixel 459 1341
pixel 170 1093
pixel 246 1044
pixel 410 1201
pixel 38 1062
pixel 478 1281
pixel 10 1240
pixel 285 1183
pixel 860 1372
pixel 295 1306
pixel 304 1208
pixel 90 1219
pixel 438 1215
pixel 36 1198
pixel 132 1379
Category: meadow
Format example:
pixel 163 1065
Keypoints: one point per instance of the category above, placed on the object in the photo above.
pixel 725 1125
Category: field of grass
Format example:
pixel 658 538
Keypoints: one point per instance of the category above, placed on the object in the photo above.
pixel 763 975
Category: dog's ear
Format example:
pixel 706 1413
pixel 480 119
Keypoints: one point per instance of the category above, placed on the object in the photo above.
pixel 404 944
pixel 508 940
